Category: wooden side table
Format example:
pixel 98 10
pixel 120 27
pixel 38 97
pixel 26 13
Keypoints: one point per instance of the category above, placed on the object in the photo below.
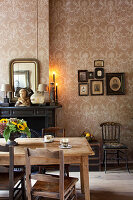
pixel 95 161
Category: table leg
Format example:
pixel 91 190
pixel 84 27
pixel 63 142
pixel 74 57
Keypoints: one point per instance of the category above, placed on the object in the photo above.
pixel 84 177
pixel 81 178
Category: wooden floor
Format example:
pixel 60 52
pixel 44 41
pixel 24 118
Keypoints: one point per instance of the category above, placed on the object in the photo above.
pixel 116 184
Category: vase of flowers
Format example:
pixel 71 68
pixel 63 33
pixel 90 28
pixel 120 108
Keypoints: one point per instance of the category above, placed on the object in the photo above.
pixel 12 128
pixel 90 137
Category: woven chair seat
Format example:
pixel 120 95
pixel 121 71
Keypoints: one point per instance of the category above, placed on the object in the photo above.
pixel 114 145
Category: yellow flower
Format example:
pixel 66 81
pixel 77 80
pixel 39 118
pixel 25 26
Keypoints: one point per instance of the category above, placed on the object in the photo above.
pixel 25 124
pixel 20 127
pixel 14 123
pixel 87 134
pixel 4 120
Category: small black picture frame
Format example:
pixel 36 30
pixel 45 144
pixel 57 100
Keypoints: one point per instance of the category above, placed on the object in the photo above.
pixel 97 87
pixel 115 83
pixel 82 75
pixel 90 75
pixel 99 73
pixel 83 89
pixel 98 63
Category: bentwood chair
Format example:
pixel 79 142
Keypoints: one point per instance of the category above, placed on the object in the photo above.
pixel 9 180
pixel 49 185
pixel 112 148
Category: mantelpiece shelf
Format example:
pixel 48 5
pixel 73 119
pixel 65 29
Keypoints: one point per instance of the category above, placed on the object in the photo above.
pixel 31 111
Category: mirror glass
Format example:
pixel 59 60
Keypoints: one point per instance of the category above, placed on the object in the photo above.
pixel 23 73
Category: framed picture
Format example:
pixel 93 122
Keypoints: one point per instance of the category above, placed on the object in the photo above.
pixel 98 63
pixel 115 83
pixel 97 87
pixel 99 73
pixel 90 75
pixel 83 89
pixel 82 75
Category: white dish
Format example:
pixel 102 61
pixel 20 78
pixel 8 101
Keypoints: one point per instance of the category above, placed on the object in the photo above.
pixel 68 147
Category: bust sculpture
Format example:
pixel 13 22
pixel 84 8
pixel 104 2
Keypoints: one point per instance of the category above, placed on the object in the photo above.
pixel 24 99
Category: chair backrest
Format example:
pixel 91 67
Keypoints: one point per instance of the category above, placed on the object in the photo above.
pixel 55 131
pixel 54 157
pixel 110 132
pixel 10 170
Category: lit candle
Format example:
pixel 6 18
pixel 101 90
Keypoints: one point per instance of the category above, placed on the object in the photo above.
pixel 56 93
pixel 54 77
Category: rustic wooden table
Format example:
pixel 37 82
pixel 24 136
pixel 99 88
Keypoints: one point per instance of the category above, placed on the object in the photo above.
pixel 77 154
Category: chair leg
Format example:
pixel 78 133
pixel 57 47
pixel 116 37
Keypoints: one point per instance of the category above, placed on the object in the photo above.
pixel 105 161
pixel 127 161
pixel 11 194
pixel 103 158
pixel 23 189
pixel 67 170
pixel 11 189
pixel 75 193
pixel 118 157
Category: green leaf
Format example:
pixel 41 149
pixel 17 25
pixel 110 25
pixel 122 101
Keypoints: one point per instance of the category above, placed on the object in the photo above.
pixel 27 131
pixel 6 133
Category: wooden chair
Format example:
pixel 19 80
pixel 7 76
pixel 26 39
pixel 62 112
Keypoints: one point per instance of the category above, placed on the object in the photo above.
pixel 55 131
pixel 111 144
pixel 47 185
pixel 10 180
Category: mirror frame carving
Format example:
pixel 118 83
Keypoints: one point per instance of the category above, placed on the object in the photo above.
pixel 23 60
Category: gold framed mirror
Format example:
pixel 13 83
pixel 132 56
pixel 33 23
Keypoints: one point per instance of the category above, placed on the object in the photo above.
pixel 23 73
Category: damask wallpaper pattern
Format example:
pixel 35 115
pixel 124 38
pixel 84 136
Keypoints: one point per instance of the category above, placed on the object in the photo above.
pixel 82 31
pixel 24 33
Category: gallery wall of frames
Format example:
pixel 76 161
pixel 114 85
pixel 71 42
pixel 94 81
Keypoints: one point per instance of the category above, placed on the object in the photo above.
pixel 92 82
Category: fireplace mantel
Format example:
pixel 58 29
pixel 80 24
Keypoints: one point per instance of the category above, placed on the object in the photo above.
pixel 37 117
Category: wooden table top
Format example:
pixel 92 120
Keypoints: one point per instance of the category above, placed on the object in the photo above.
pixel 80 146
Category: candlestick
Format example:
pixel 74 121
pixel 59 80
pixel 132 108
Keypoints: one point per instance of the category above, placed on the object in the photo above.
pixel 52 92
pixel 56 94
pixel 54 77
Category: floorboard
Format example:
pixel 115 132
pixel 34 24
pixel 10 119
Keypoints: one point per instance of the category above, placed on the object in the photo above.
pixel 116 184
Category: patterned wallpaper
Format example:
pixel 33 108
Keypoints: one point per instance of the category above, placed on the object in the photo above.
pixel 82 31
pixel 24 33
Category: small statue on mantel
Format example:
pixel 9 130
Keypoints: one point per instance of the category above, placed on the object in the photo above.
pixel 24 99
